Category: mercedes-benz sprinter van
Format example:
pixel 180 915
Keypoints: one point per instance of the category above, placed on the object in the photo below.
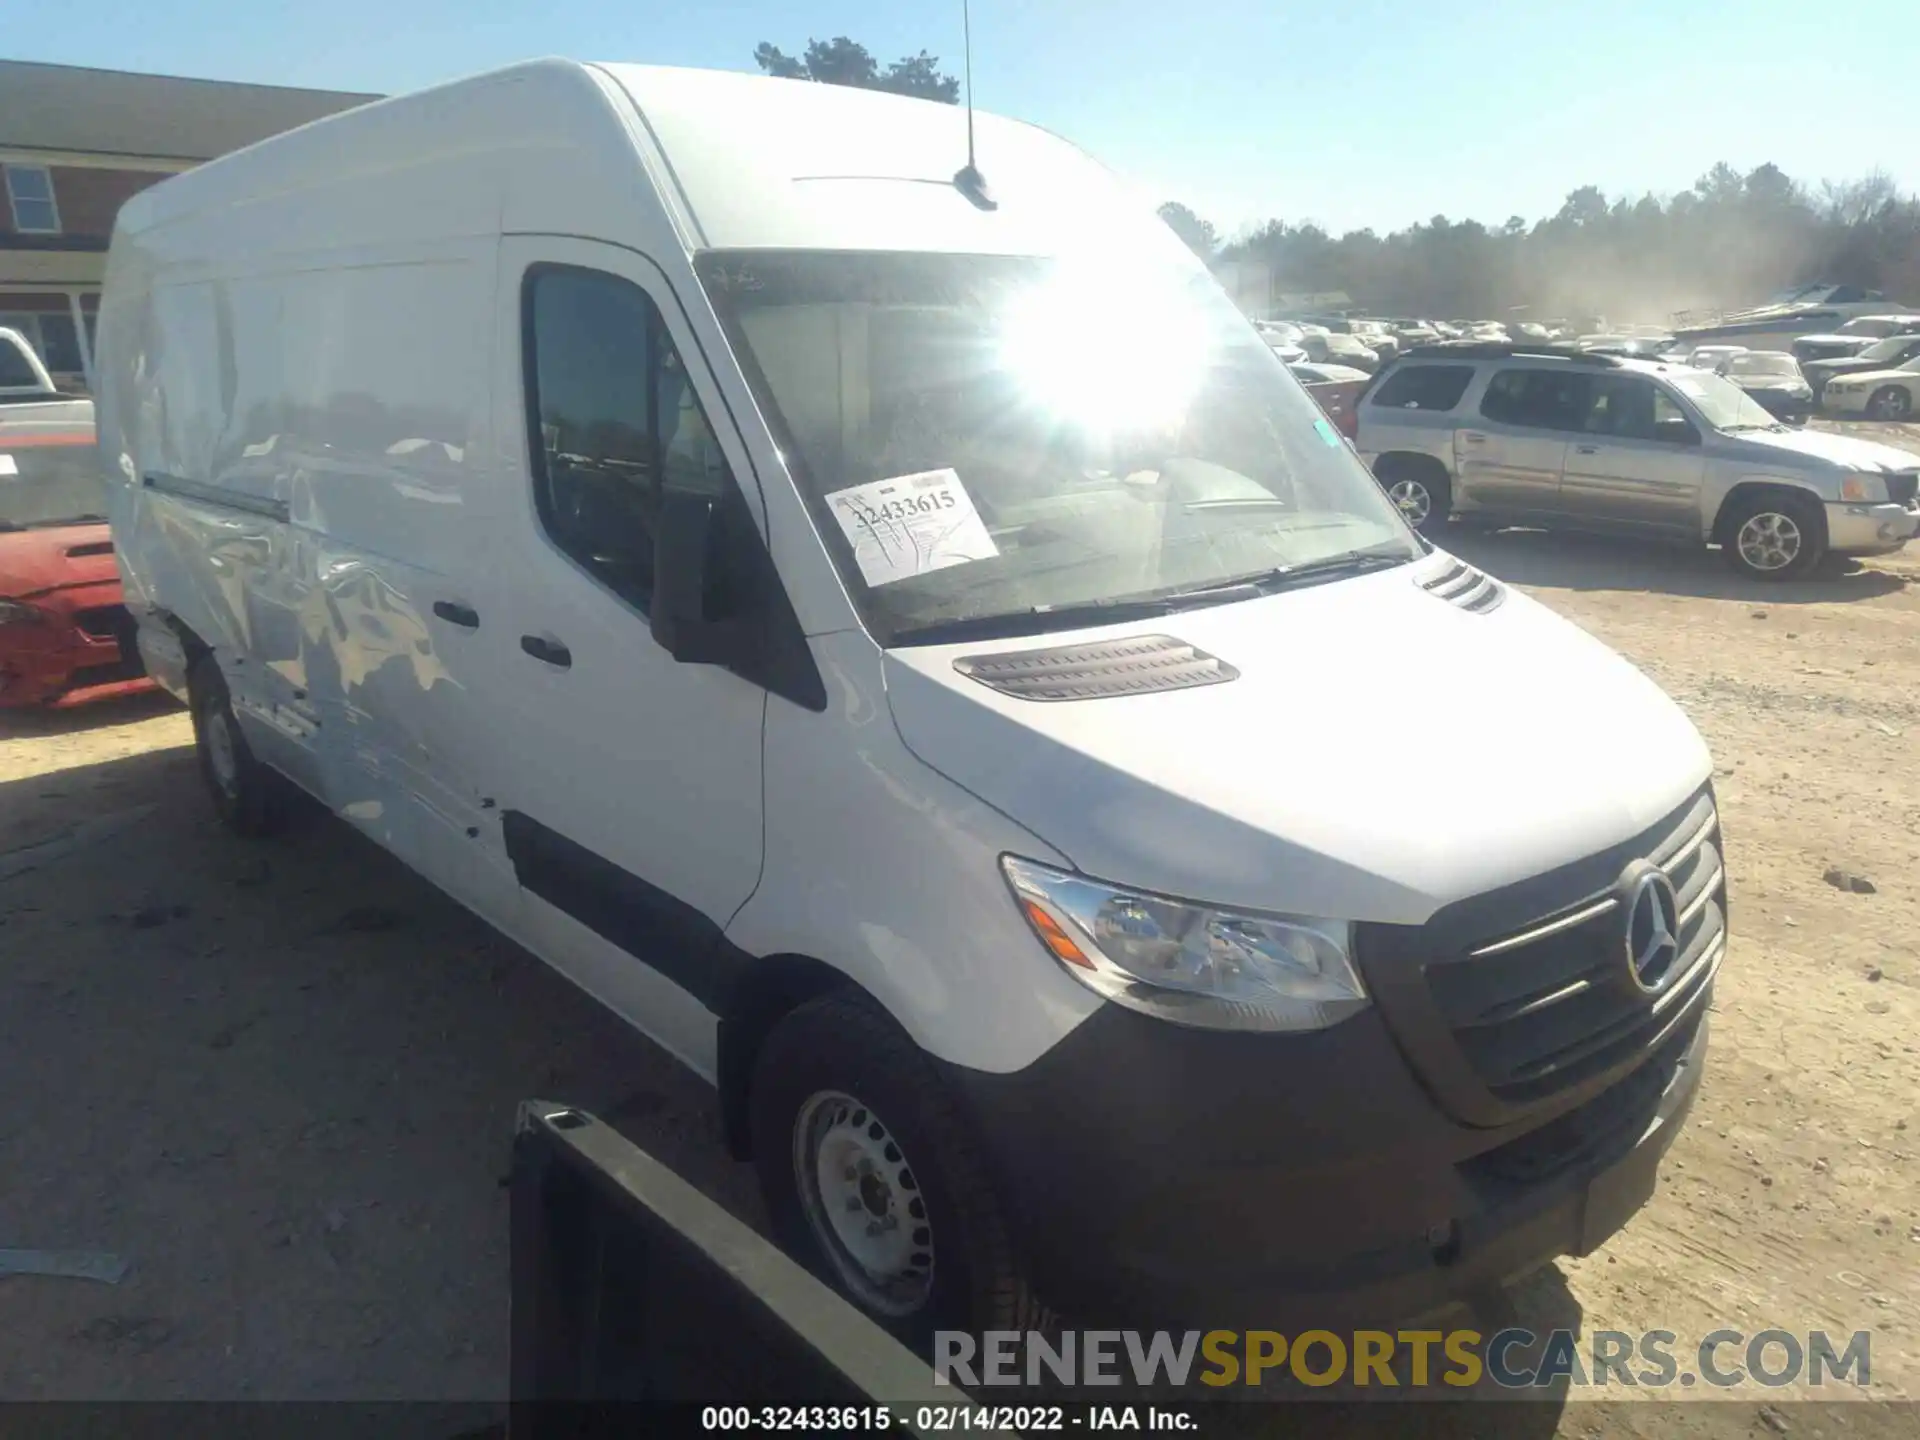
pixel 891 630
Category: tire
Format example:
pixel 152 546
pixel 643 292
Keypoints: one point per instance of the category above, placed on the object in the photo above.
pixel 249 798
pixel 1421 491
pixel 1774 535
pixel 1889 402
pixel 838 1075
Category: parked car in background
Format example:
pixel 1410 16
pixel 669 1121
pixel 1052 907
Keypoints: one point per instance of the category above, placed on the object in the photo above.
pixel 1888 354
pixel 28 392
pixel 1853 337
pixel 1773 378
pixel 1375 335
pixel 1285 339
pixel 1629 447
pixel 65 636
pixel 1413 332
pixel 1709 357
pixel 1333 387
pixel 1324 346
pixel 1892 394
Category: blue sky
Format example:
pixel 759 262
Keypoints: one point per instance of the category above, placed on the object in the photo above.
pixel 1349 112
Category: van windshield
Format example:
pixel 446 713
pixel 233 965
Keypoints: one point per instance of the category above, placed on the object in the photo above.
pixel 1011 439
pixel 50 479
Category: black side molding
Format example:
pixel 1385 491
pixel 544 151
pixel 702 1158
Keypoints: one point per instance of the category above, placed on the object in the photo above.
pixel 660 930
pixel 218 496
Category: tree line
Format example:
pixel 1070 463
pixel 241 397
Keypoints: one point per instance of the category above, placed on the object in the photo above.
pixel 1730 241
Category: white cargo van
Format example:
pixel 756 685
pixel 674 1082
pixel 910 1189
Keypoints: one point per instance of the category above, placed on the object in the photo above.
pixel 902 640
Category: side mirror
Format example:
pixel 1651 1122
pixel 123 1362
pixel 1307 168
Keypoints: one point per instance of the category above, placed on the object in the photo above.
pixel 682 544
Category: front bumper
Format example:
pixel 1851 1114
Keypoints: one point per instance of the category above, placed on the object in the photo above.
pixel 1505 1101
pixel 58 663
pixel 1178 1179
pixel 1870 529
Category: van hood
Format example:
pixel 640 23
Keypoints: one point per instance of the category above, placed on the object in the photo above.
pixel 34 562
pixel 1380 754
pixel 1844 451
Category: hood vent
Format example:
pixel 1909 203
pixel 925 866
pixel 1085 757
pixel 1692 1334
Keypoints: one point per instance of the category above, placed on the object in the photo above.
pixel 1139 665
pixel 1462 585
pixel 92 547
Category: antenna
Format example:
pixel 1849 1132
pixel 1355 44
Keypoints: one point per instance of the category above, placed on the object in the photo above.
pixel 969 181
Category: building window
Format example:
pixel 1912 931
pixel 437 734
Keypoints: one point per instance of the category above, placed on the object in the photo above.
pixel 30 191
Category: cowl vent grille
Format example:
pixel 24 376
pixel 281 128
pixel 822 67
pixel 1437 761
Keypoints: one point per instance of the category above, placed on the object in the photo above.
pixel 1138 665
pixel 1462 585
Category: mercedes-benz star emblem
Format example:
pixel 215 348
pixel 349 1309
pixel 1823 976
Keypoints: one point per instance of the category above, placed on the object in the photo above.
pixel 1653 923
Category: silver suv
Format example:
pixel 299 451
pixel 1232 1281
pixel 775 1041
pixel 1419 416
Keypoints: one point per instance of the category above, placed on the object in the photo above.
pixel 1563 438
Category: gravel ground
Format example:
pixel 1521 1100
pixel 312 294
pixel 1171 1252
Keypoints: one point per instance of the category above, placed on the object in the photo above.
pixel 279 1079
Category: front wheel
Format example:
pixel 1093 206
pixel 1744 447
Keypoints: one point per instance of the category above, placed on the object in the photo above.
pixel 249 798
pixel 1889 402
pixel 1422 494
pixel 1776 536
pixel 872 1178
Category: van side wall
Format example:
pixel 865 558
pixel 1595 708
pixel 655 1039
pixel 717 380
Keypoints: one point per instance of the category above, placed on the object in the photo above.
pixel 313 392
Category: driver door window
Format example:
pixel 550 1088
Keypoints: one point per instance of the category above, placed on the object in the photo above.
pixel 613 420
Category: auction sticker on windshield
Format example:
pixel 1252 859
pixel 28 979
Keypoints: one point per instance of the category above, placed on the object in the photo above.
pixel 911 525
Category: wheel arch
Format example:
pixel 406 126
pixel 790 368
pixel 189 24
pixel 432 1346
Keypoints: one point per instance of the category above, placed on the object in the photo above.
pixel 1745 490
pixel 767 990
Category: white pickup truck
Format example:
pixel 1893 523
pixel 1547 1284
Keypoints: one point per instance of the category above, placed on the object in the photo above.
pixel 27 393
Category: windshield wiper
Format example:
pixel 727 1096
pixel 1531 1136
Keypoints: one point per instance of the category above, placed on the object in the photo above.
pixel 1041 618
pixel 1283 577
pixel 1034 621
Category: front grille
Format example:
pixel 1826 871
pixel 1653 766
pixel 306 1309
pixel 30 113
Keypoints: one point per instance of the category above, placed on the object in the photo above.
pixel 1544 1007
pixel 1902 485
pixel 105 622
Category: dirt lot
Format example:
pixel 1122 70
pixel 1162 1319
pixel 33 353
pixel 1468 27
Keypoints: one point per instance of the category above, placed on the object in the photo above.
pixel 279 1079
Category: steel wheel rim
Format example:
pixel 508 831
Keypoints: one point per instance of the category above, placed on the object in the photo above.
pixel 223 755
pixel 1413 500
pixel 863 1203
pixel 1769 541
pixel 1888 405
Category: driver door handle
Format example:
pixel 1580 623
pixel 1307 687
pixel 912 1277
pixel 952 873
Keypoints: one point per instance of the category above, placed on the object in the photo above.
pixel 454 613
pixel 1586 449
pixel 550 652
pixel 1471 437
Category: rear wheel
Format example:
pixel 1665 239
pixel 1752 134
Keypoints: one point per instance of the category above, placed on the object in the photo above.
pixel 873 1181
pixel 1775 536
pixel 1420 489
pixel 1890 402
pixel 249 798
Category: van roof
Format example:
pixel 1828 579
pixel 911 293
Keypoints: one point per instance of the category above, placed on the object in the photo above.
pixel 741 161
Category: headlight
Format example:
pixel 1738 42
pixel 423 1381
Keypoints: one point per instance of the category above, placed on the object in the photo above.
pixel 12 612
pixel 1193 964
pixel 1868 489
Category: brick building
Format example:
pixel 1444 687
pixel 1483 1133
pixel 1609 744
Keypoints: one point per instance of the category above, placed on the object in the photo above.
pixel 74 144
